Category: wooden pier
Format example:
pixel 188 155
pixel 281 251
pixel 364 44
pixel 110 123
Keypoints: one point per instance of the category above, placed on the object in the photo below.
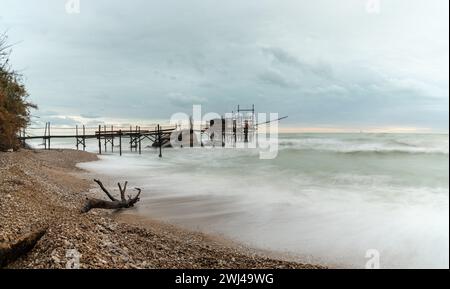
pixel 108 136
pixel 238 127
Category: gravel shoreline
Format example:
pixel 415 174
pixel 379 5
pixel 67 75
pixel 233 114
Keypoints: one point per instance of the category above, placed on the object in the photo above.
pixel 45 189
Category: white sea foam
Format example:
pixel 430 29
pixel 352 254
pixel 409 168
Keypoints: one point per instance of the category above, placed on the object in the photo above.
pixel 354 144
pixel 331 207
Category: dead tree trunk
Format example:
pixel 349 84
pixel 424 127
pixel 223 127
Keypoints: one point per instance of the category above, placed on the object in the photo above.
pixel 9 252
pixel 114 203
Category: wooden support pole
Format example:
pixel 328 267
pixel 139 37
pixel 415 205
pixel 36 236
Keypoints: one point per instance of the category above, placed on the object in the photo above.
pixel 49 135
pixel 84 138
pixel 131 138
pixel 223 131
pixel 246 131
pixel 234 130
pixel 76 134
pixel 139 140
pixel 135 139
pixel 120 142
pixel 191 132
pixel 112 138
pixel 201 134
pixel 104 130
pixel 45 135
pixel 159 141
pixel 99 139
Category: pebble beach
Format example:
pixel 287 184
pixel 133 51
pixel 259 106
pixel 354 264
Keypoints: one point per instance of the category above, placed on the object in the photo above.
pixel 44 189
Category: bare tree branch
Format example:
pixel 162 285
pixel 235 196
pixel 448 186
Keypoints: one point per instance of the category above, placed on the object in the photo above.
pixel 105 191
pixel 122 191
pixel 9 252
pixel 114 203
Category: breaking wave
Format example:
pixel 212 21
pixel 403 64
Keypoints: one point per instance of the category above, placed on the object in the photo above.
pixel 368 145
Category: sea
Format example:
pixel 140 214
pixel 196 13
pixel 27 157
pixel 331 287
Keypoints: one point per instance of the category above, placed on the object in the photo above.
pixel 348 200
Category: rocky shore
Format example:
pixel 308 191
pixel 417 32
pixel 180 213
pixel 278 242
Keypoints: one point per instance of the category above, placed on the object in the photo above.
pixel 44 189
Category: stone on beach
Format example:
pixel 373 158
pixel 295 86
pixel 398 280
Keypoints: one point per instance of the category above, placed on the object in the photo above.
pixel 45 189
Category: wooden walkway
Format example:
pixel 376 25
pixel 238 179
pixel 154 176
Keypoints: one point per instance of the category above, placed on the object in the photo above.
pixel 108 137
pixel 241 126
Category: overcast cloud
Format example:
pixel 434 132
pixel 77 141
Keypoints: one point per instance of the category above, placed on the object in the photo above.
pixel 322 62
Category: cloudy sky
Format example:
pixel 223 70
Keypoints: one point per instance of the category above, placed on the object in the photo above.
pixel 325 63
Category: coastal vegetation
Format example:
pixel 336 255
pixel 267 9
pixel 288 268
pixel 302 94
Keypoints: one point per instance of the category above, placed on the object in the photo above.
pixel 14 107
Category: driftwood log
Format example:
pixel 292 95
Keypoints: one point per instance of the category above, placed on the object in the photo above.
pixel 114 203
pixel 9 252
